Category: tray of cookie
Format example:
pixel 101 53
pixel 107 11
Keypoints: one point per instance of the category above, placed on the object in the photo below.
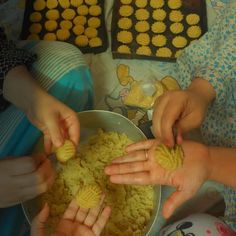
pixel 80 22
pixel 156 29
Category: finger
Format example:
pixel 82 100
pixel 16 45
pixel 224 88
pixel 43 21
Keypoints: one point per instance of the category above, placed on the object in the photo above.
pixel 125 168
pixel 101 221
pixel 93 213
pixel 71 211
pixel 38 224
pixel 132 157
pixel 140 178
pixel 47 144
pixel 81 214
pixel 186 123
pixel 146 144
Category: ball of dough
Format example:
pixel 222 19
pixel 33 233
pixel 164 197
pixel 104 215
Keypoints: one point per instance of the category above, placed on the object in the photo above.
pixel 159 40
pixel 91 2
pixel 35 17
pixel 80 20
pixel 35 28
pixel 192 19
pixel 95 42
pixel 68 14
pixel 157 3
pixel 50 37
pixel 33 37
pixel 52 14
pixel 76 3
pixel 91 32
pixel 95 10
pixel 144 50
pixel 141 3
pixel 142 26
pixel 125 37
pixel 125 23
pixel 176 28
pixel 94 22
pixel 176 16
pixel 163 52
pixel 78 29
pixel 64 3
pixel 159 14
pixel 142 14
pixel 124 49
pixel 158 27
pixel 194 32
pixel 63 34
pixel 179 42
pixel 66 24
pixel 50 25
pixel 66 151
pixel 143 39
pixel 83 10
pixel 81 41
pixel 39 5
pixel 126 10
pixel 51 4
pixel 174 4
pixel 126 1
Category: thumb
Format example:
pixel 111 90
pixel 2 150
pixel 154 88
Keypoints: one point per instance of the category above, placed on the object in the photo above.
pixel 38 224
pixel 188 123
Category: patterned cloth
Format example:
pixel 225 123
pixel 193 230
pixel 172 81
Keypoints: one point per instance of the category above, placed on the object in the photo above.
pixel 213 58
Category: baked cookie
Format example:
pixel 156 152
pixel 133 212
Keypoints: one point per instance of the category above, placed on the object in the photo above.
pixel 179 42
pixel 124 37
pixel 158 27
pixel 52 14
pixel 63 34
pixel 95 42
pixel 80 20
pixel 124 49
pixel 39 5
pixel 143 39
pixel 144 50
pixel 50 37
pixel 142 26
pixel 125 23
pixel 163 52
pixel 192 19
pixel 83 10
pixel 91 32
pixel 194 32
pixel 78 29
pixel 126 1
pixel 66 24
pixel 64 3
pixel 126 10
pixel 176 16
pixel 76 3
pixel 51 4
pixel 35 28
pixel 50 25
pixel 35 17
pixel 176 28
pixel 81 41
pixel 142 14
pixel 91 2
pixel 94 22
pixel 159 14
pixel 174 4
pixel 95 10
pixel 159 40
pixel 141 3
pixel 68 14
pixel 157 3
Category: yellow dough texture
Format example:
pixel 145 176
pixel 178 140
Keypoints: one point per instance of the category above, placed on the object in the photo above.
pixel 76 3
pixel 94 22
pixel 66 151
pixel 52 14
pixel 157 3
pixel 78 29
pixel 144 50
pixel 88 196
pixel 95 42
pixel 35 28
pixel 124 49
pixel 179 41
pixel 141 3
pixel 50 37
pixel 158 27
pixel 91 32
pixel 125 23
pixel 170 83
pixel 176 28
pixel 163 52
pixel 68 14
pixel 91 2
pixel 169 158
pixel 63 34
pixel 35 17
pixel 95 10
pixel 80 20
pixel 159 40
pixel 66 24
pixel 126 10
pixel 142 26
pixel 174 4
pixel 124 37
pixel 64 3
pixel 81 41
pixel 176 16
pixel 192 19
pixel 159 14
pixel 142 14
pixel 50 25
pixel 39 5
pixel 143 39
pixel 83 10
pixel 51 4
pixel 194 32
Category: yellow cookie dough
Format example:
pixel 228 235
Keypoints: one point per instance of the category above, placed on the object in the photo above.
pixel 64 3
pixel 35 17
pixel 159 14
pixel 163 52
pixel 33 37
pixel 66 24
pixel 51 4
pixel 91 32
pixel 68 14
pixel 39 5
pixel 50 37
pixel 194 32
pixel 124 49
pixel 158 27
pixel 144 50
pixel 176 16
pixel 95 10
pixel 126 10
pixel 35 28
pixel 179 41
pixel 83 10
pixel 66 151
pixel 94 22
pixel 80 20
pixel 126 1
pixel 52 14
pixel 174 4
pixel 76 3
pixel 81 41
pixel 142 14
pixel 143 39
pixel 50 25
pixel 159 40
pixel 142 26
pixel 157 3
pixel 169 158
pixel 63 34
pixel 176 28
pixel 192 19
pixel 124 37
pixel 122 71
pixel 95 42
pixel 125 23
pixel 141 3
pixel 91 2
pixel 170 83
pixel 78 29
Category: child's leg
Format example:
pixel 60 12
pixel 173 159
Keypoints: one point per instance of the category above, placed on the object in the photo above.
pixel 198 225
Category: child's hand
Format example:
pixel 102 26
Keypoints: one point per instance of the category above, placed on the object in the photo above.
pixel 24 178
pixel 136 168
pixel 75 221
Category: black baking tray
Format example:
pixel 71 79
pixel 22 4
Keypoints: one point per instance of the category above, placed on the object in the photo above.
pixel 102 32
pixel 188 6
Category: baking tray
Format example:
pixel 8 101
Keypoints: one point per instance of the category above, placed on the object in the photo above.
pixel 188 7
pixel 102 33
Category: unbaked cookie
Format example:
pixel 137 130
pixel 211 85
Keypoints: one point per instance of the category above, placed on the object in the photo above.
pixel 81 41
pixel 66 151
pixel 91 2
pixel 94 22
pixel 33 37
pixel 95 42
pixel 80 20
pixel 141 3
pixel 66 24
pixel 192 19
pixel 158 27
pixel 125 37
pixel 176 16
pixel 159 40
pixel 83 10
pixel 39 5
pixel 51 4
pixel 174 4
pixel 76 3
pixel 179 42
pixel 124 49
pixel 95 10
pixel 50 25
pixel 68 14
pixel 126 10
pixel 142 14
pixel 78 29
pixel 194 32
pixel 52 14
pixel 125 23
pixel 64 3
pixel 159 14
pixel 143 39
pixel 35 17
pixel 50 37
pixel 35 28
pixel 144 50
pixel 142 26
pixel 163 52
pixel 91 32
pixel 63 34
pixel 157 3
pixel 176 28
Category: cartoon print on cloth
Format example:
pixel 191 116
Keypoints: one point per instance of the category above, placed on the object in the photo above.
pixel 217 4
pixel 180 228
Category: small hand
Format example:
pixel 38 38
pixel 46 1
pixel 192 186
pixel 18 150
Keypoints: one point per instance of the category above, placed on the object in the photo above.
pixel 75 221
pixel 135 168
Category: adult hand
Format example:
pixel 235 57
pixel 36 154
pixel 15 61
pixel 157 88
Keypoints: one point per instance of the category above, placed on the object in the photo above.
pixel 75 221
pixel 24 178
pixel 135 168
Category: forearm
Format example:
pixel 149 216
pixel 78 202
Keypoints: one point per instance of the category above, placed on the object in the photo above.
pixel 223 165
